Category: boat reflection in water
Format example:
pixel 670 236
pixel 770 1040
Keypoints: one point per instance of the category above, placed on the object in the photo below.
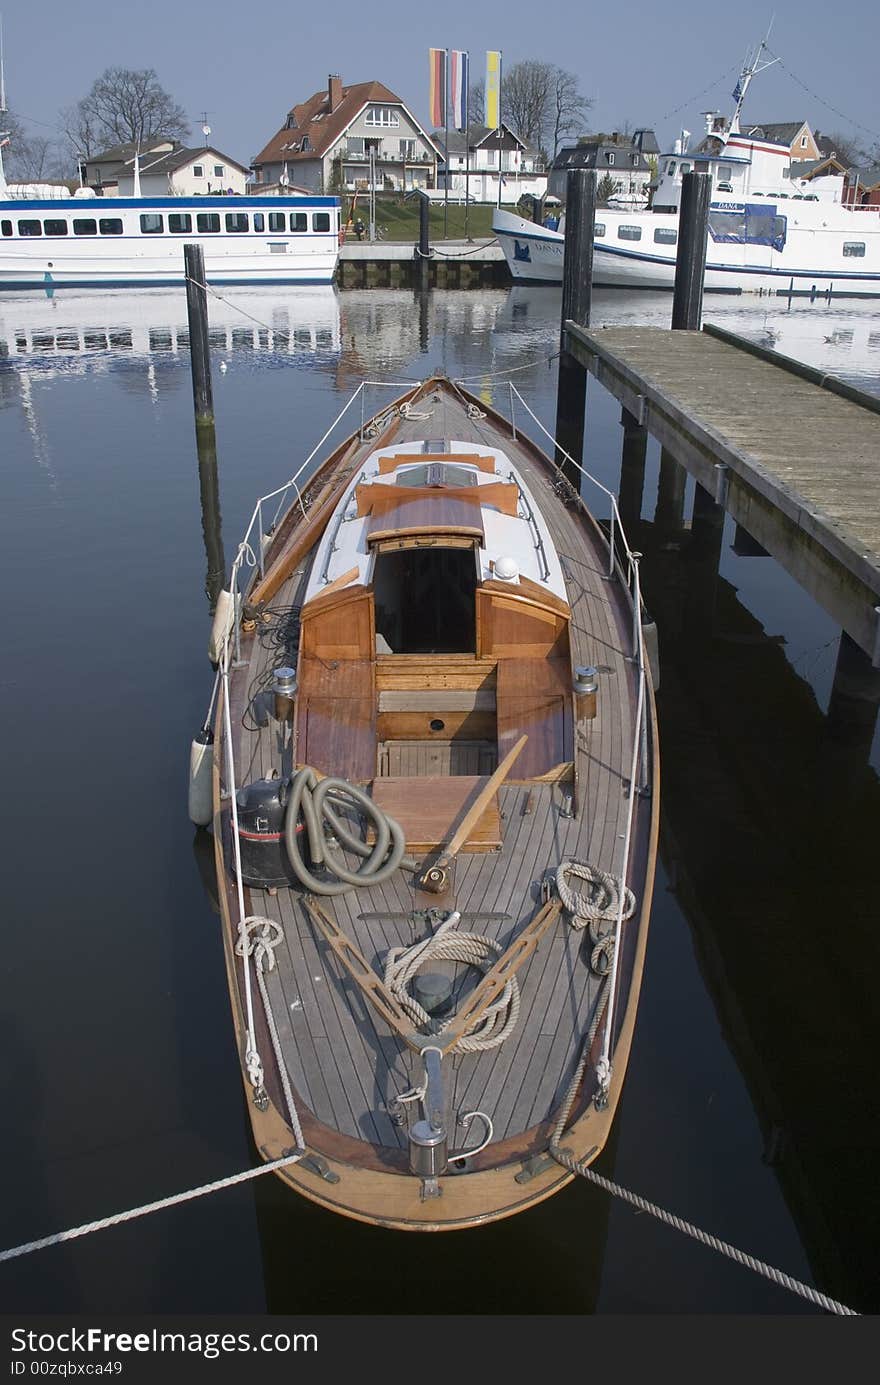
pixel 302 321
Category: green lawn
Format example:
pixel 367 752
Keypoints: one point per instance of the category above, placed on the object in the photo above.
pixel 400 217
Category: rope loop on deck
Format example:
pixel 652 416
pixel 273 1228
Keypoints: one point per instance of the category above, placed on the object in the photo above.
pixel 597 907
pixel 496 1023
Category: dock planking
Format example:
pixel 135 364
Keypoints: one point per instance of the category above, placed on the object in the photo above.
pixel 793 455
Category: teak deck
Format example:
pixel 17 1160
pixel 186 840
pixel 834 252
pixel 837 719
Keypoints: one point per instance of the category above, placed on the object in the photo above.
pixel 344 1063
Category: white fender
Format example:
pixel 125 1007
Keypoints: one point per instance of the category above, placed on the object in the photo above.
pixel 224 615
pixel 201 755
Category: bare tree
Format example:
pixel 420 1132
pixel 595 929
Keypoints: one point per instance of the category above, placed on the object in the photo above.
pixel 568 108
pixel 125 106
pixel 29 158
pixel 476 103
pixel 527 91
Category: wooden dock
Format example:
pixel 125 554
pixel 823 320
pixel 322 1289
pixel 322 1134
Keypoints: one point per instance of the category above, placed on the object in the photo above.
pixel 791 454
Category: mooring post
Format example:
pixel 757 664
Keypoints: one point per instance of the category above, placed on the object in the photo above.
pixel 632 472
pixel 424 251
pixel 199 354
pixel 855 697
pixel 577 275
pixel 209 491
pixel 690 260
pixel 537 204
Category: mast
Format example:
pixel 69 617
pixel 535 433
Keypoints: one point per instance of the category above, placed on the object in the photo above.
pixel 751 67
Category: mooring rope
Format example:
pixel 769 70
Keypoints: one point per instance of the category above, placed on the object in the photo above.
pixel 262 947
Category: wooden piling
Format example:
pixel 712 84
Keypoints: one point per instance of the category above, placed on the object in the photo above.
pixel 424 250
pixel 197 313
pixel 690 261
pixel 577 273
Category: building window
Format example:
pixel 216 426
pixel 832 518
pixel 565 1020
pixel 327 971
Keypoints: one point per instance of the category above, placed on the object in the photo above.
pixel 320 221
pixel 219 171
pixel 55 228
pixel 299 222
pixel 853 249
pixel 665 235
pixel 152 224
pixel 207 223
pixel 609 156
pixel 629 233
pixel 306 144
pixel 198 170
pixel 382 115
pixel 6 228
pixel 110 225
pixel 803 141
pixel 277 222
pixel 237 222
pixel 180 223
pixel 87 227
pixel 355 145
pixel 408 150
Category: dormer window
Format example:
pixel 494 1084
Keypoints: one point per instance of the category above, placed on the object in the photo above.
pixel 306 144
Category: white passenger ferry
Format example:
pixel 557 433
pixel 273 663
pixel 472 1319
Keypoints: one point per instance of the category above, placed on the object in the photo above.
pixel 83 241
pixel 769 232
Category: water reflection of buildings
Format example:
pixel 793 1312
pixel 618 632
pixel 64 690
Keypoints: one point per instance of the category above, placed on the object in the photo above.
pixel 98 327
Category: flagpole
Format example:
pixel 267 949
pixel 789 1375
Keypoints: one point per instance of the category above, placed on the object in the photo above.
pixel 446 180
pixel 500 77
pixel 467 143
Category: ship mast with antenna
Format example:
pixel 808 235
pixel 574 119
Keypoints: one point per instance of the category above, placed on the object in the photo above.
pixel 751 67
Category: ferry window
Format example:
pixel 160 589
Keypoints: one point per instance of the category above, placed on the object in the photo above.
pixel 599 229
pixel 110 225
pixel 724 187
pixel 198 171
pixel 180 223
pixel 853 248
pixel 30 228
pixel 219 170
pixel 685 168
pixel 725 171
pixel 6 227
pixel 55 228
pixel 85 227
pixel 152 224
pixel 670 169
pixel 259 221
pixel 207 222
pixel 629 233
pixel 665 235
pixel 299 221
pixel 237 221
pixel 320 221
pixel 277 221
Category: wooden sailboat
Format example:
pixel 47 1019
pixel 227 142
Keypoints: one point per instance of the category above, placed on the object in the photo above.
pixel 435 815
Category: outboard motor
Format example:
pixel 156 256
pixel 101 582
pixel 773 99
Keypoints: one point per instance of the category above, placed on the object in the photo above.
pixel 262 806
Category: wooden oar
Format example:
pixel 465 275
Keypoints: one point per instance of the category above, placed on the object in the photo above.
pixel 435 878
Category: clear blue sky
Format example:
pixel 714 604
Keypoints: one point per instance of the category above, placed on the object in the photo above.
pixel 649 64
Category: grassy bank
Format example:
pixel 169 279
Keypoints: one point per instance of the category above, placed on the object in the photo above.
pixel 400 218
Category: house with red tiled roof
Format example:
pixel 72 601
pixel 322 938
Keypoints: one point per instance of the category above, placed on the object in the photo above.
pixel 344 138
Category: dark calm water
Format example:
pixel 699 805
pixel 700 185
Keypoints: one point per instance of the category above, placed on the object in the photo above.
pixel 750 1104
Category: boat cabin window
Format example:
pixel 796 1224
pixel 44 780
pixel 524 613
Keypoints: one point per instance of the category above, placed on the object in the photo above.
pixel 724 187
pixel 665 235
pixel 425 601
pixel 299 221
pixel 320 221
pixel 152 224
pixel 237 221
pixel 259 221
pixel 670 168
pixel 853 248
pixel 30 228
pixel 685 168
pixel 110 225
pixel 207 223
pixel 6 228
pixel 85 226
pixel 629 233
pixel 277 221
pixel 55 227
pixel 180 223
pixel 437 474
pixel 749 225
pixel 599 229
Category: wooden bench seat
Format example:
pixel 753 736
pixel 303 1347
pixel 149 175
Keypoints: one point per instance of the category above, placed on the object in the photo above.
pixel 430 808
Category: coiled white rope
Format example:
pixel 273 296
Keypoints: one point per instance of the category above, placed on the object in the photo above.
pixel 496 1022
pixel 262 949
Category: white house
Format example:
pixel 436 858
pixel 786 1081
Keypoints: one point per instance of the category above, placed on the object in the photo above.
pixel 474 158
pixel 166 170
pixel 348 137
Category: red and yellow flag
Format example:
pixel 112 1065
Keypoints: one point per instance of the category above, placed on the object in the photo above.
pixel 437 67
